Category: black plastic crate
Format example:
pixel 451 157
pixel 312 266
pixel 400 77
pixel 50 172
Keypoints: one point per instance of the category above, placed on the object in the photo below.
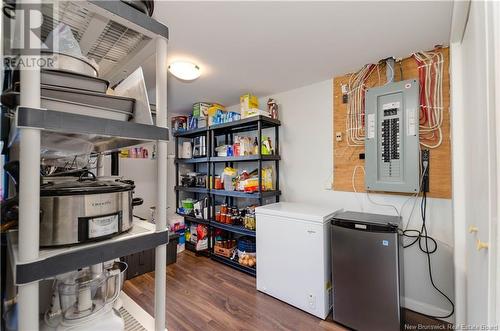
pixel 144 262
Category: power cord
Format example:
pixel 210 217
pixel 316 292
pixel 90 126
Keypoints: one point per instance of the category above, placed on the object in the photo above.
pixel 353 178
pixel 422 237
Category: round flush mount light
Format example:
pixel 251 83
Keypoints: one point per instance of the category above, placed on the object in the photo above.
pixel 184 70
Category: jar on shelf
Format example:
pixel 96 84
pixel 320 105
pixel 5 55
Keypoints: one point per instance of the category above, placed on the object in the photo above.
pixel 249 221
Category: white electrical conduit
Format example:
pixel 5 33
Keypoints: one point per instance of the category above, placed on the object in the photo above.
pixel 355 130
pixel 432 63
pixel 433 94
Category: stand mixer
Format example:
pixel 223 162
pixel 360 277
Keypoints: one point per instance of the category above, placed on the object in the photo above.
pixel 84 300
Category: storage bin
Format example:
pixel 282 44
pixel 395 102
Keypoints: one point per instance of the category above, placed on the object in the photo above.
pixel 226 252
pixel 246 244
pixel 171 248
pixel 144 262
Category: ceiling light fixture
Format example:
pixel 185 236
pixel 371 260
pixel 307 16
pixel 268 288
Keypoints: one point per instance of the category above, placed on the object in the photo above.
pixel 184 70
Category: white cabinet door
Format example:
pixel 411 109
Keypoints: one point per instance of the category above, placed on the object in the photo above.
pixel 478 184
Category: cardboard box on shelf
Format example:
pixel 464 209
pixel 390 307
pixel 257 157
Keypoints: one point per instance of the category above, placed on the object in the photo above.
pixel 202 122
pixel 200 109
pixel 214 112
pixel 254 112
pixel 248 101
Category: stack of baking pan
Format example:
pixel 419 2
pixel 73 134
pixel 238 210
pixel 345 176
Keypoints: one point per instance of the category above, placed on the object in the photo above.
pixel 76 93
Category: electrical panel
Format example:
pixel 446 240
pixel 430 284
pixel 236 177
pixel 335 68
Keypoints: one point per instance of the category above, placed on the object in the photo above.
pixel 392 137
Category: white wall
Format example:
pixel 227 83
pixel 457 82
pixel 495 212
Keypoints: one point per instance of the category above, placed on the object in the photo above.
pixel 144 173
pixel 306 138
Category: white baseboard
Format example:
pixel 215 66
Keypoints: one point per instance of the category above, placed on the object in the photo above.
pixel 425 308
pixel 140 315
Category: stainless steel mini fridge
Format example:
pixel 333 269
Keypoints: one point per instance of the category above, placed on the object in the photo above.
pixel 367 271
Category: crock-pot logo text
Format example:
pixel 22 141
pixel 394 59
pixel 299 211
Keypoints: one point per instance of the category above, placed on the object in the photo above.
pixel 100 203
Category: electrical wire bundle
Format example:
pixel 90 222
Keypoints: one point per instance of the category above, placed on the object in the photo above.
pixel 430 73
pixel 426 244
pixel 355 119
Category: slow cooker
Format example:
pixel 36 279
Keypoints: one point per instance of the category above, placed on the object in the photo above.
pixel 76 210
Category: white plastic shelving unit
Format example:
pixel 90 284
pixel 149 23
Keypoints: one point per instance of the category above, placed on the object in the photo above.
pixel 120 39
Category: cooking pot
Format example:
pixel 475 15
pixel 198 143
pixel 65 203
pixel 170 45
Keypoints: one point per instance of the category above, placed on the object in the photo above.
pixel 67 62
pixel 75 210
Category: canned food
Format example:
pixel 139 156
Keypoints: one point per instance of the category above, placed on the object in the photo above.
pixel 218 183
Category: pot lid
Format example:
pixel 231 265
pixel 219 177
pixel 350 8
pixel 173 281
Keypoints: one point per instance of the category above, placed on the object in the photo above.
pixel 84 185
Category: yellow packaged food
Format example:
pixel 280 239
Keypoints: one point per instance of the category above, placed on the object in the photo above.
pixel 267 178
pixel 247 102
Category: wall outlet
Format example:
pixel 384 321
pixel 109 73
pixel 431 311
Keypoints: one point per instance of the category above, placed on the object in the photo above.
pixel 338 136
pixel 426 158
pixel 311 300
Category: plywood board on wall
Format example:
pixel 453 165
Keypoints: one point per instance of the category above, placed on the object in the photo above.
pixel 346 158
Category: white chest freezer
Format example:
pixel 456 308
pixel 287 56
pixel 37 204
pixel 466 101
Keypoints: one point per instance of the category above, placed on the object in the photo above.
pixel 293 255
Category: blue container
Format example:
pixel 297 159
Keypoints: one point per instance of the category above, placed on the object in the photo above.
pixel 247 244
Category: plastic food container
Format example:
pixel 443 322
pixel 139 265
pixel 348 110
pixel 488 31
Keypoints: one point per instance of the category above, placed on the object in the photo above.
pixel 227 178
pixel 188 204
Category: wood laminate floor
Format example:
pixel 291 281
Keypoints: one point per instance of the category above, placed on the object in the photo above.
pixel 205 295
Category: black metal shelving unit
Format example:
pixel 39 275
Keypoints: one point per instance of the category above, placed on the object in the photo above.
pixel 234 264
pixel 233 228
pixel 195 163
pixel 193 219
pixel 228 131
